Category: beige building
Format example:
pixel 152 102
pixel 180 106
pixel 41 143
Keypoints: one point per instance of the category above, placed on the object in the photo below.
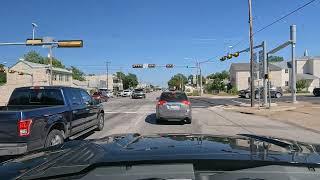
pixel 100 82
pixel 240 75
pixel 308 68
pixel 25 73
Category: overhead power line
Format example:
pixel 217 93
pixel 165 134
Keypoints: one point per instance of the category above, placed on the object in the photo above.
pixel 271 24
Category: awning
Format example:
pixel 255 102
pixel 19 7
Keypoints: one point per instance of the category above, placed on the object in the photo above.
pixel 306 77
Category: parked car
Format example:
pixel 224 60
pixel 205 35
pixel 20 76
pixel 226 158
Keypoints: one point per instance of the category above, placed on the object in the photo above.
pixel 120 93
pixel 100 96
pixel 138 93
pixel 316 91
pixel 173 106
pixel 246 93
pixel 38 117
pixel 127 93
pixel 108 92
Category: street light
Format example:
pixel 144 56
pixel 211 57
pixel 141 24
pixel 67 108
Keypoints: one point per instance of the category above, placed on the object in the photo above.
pixel 34 25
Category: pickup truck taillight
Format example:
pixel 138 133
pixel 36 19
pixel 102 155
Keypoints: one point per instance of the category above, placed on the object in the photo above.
pixel 161 102
pixel 24 127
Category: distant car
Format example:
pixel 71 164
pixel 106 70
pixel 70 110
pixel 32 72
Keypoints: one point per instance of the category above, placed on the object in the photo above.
pixel 173 106
pixel 316 91
pixel 120 93
pixel 138 93
pixel 107 92
pixel 126 93
pixel 246 93
pixel 100 96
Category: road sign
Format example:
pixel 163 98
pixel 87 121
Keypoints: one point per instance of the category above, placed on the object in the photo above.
pixel 33 42
pixel 70 43
pixel 261 60
pixel 169 65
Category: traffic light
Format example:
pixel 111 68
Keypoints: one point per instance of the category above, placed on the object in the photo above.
pixel 236 54
pixel 12 71
pixel 137 66
pixel 70 43
pixel 20 73
pixel 169 65
pixel 2 70
pixel 151 65
pixel 229 56
pixel 34 42
pixel 223 58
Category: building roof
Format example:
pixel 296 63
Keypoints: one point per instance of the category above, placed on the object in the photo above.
pixel 246 67
pixel 282 64
pixel 306 76
pixel 305 58
pixel 37 65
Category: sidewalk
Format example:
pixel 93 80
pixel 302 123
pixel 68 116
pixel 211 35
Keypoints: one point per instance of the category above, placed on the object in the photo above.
pixel 304 115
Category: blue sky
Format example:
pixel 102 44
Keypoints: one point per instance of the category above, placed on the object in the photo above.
pixel 127 32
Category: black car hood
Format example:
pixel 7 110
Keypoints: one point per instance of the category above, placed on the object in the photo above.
pixel 159 147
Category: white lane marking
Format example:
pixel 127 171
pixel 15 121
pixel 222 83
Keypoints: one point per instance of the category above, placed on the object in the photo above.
pixel 199 106
pixel 239 102
pixel 126 112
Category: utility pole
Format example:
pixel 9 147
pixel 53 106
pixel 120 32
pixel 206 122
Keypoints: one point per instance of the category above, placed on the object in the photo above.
pixel 107 66
pixel 251 54
pixel 50 58
pixel 200 79
pixel 293 62
pixel 265 71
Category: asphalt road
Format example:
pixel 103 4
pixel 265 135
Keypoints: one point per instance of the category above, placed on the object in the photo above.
pixel 125 115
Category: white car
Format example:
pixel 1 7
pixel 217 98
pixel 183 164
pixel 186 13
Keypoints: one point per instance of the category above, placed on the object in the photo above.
pixel 126 93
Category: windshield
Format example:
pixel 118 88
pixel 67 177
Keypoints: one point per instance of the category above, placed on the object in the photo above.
pixel 85 71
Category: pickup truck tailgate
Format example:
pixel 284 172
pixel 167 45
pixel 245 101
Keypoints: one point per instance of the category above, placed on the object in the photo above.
pixel 8 126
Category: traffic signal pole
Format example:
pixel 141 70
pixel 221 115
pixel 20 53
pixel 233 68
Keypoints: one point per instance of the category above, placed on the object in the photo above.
pixel 265 71
pixel 251 54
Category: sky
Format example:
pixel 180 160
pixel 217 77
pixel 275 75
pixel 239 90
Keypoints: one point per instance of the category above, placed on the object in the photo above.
pixel 127 32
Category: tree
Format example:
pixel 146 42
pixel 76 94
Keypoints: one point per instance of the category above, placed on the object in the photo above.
pixel 301 84
pixel 35 57
pixel 77 74
pixel 275 59
pixel 130 81
pixel 218 81
pixel 3 75
pixel 120 75
pixel 177 81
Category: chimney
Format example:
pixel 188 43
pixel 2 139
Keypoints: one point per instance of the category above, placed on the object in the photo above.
pixel 306 53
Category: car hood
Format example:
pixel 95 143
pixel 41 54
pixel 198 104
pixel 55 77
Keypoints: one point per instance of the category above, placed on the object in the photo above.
pixel 160 147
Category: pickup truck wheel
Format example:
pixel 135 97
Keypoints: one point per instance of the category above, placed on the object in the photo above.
pixel 55 137
pixel 100 122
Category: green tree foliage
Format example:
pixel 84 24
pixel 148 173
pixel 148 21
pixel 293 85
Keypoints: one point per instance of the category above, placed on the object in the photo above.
pixel 77 74
pixel 3 75
pixel 302 84
pixel 120 75
pixel 35 57
pixel 130 81
pixel 177 80
pixel 275 59
pixel 218 81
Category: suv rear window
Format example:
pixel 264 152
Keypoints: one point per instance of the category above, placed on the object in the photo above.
pixel 173 96
pixel 36 97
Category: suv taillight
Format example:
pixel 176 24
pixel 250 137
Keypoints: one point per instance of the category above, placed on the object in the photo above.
pixel 24 127
pixel 186 102
pixel 161 102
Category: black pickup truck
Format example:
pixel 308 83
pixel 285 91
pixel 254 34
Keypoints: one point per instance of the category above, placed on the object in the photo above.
pixel 38 117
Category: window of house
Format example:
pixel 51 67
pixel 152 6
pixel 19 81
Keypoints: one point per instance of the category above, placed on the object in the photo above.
pixel 60 77
pixel 66 78
pixel 286 70
pixel 287 83
pixel 55 77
